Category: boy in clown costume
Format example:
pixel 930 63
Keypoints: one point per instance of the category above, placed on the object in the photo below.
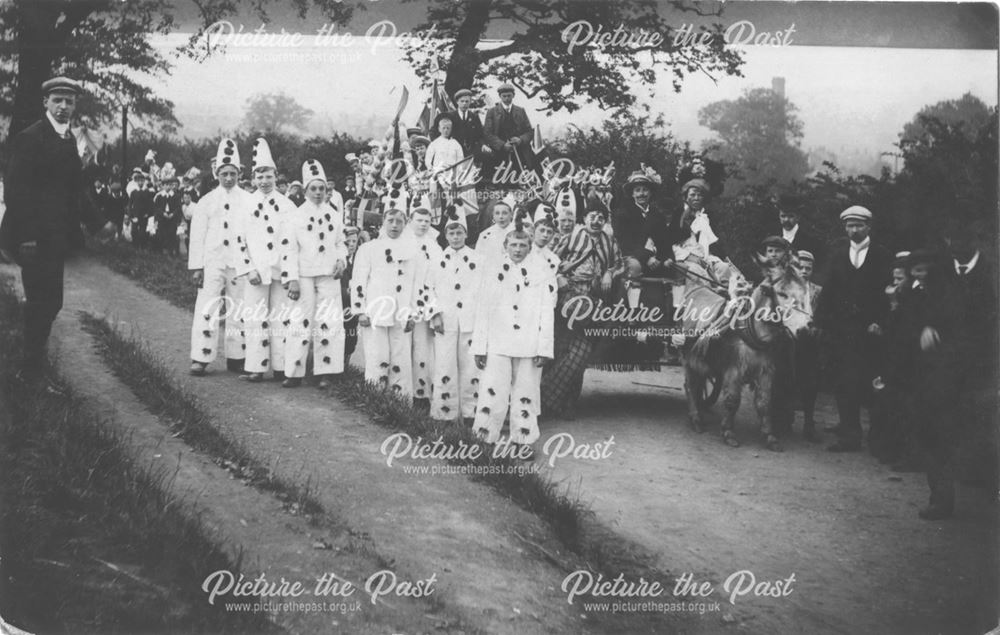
pixel 313 258
pixel 267 302
pixel 219 259
pixel 387 293
pixel 454 283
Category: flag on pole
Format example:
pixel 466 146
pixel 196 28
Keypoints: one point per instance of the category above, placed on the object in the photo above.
pixel 439 102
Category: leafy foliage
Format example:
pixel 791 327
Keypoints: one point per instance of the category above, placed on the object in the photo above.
pixel 537 59
pixel 275 112
pixel 758 138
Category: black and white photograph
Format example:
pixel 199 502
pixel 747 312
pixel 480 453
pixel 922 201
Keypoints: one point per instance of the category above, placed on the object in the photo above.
pixel 513 317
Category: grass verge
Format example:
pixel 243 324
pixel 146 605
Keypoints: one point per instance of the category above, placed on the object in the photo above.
pixel 601 549
pixel 131 360
pixel 90 542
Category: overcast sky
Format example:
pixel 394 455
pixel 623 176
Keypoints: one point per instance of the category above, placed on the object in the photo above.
pixel 851 68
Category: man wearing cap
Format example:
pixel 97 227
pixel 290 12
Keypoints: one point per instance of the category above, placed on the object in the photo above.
pixel 850 312
pixel 218 258
pixel 45 196
pixel 508 132
pixel 468 129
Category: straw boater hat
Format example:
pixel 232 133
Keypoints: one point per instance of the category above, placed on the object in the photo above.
pixel 227 154
pixel 312 171
pixel 643 176
pixel 262 155
pixel 856 212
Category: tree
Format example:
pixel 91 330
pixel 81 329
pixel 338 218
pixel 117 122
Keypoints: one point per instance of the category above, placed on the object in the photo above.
pixel 105 44
pixel 967 114
pixel 275 112
pixel 759 138
pixel 626 141
pixel 949 169
pixel 537 57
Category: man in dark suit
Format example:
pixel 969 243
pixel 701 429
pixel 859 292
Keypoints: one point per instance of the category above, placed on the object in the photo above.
pixel 352 237
pixel 467 128
pixel 641 227
pixel 972 440
pixel 46 199
pixel 789 215
pixel 508 133
pixel 851 310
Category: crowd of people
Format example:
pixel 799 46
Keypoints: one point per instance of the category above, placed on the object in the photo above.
pixel 469 320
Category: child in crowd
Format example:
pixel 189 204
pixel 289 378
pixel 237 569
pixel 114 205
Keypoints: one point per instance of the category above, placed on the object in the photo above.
pixel 387 292
pixel 420 229
pixel 454 281
pixel 314 259
pixel 512 341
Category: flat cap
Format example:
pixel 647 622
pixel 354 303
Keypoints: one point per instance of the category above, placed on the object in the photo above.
pixel 776 241
pixel 414 131
pixel 420 140
pixel 803 254
pixel 61 84
pixel 856 212
pixel 462 92
pixel 505 88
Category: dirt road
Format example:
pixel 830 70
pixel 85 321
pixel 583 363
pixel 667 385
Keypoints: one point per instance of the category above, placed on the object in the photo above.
pixel 845 527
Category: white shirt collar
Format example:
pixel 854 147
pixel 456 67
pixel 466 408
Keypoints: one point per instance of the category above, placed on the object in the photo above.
pixel 789 234
pixel 60 128
pixel 862 246
pixel 968 265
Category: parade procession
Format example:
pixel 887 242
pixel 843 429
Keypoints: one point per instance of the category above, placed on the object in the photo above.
pixel 520 305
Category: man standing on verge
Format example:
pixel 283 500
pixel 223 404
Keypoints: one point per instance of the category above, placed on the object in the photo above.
pixel 851 309
pixel 45 194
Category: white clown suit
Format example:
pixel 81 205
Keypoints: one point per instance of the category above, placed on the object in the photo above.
pixel 514 324
pixel 389 286
pixel 454 284
pixel 218 247
pixel 315 245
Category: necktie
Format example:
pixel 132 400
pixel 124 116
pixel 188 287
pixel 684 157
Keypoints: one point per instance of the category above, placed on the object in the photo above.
pixel 963 269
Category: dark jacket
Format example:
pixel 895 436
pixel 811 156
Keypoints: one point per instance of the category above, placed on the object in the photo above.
pixel 978 289
pixel 499 127
pixel 678 233
pixel 853 299
pixel 634 232
pixel 468 133
pixel 804 241
pixel 45 192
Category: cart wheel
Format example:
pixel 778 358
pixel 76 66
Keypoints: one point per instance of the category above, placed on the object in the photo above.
pixel 712 388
